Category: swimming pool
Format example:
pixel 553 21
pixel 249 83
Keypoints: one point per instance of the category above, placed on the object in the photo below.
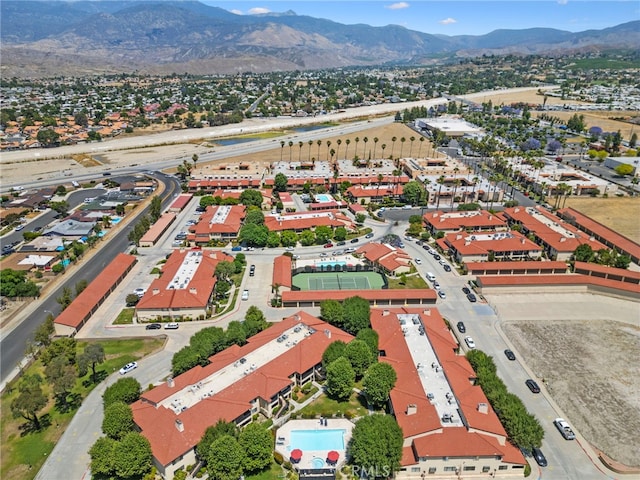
pixel 115 220
pixel 317 439
pixel 330 264
pixel 323 198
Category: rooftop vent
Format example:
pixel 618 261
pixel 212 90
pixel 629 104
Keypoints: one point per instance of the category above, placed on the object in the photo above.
pixel 412 409
pixel 483 408
pixel 179 425
pixel 170 382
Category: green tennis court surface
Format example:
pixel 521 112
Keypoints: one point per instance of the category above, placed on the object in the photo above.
pixel 338 281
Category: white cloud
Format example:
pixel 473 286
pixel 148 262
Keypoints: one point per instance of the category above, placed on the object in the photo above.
pixel 397 6
pixel 448 21
pixel 258 10
pixel 237 12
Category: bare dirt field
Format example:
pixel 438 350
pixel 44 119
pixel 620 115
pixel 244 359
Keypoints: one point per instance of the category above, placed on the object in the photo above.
pixel 620 214
pixel 590 368
pixel 528 96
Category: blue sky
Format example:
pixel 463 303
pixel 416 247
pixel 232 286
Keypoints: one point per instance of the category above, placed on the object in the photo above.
pixel 454 17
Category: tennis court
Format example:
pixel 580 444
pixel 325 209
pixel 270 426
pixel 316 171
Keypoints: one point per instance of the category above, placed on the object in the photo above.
pixel 338 281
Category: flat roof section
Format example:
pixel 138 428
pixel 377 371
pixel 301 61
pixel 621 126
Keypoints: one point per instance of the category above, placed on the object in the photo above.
pixel 186 270
pixel 221 214
pixel 435 383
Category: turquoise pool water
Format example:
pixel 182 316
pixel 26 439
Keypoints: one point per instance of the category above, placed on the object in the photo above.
pixel 115 220
pixel 65 263
pixel 323 198
pixel 331 264
pixel 317 439
pixel 317 463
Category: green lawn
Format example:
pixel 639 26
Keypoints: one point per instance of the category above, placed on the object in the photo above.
pixel 327 407
pixel 125 317
pixel 275 471
pixel 413 282
pixel 24 451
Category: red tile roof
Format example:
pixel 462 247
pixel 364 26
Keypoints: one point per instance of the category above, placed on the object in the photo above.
pixel 181 202
pixel 231 225
pixel 587 223
pixel 84 304
pixel 483 219
pixel 629 275
pixel 371 295
pixel 566 279
pixel 158 228
pixel 306 220
pixel 195 294
pixel 157 423
pixel 282 271
pixel 506 267
pixel 468 244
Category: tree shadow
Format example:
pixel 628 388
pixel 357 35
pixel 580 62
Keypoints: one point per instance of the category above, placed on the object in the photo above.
pixel 69 403
pixel 100 376
pixel 30 427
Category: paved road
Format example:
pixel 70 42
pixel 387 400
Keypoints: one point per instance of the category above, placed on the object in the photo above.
pixel 14 342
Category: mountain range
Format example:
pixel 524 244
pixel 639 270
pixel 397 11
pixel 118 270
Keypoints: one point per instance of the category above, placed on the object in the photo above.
pixel 42 38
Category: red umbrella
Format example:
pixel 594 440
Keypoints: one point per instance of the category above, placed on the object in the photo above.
pixel 296 455
pixel 333 456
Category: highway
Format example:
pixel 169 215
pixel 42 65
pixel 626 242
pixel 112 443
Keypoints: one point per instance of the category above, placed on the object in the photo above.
pixel 14 343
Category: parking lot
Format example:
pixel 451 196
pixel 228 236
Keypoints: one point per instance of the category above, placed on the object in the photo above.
pixel 589 367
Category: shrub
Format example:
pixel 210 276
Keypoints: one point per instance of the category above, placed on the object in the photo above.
pixel 277 457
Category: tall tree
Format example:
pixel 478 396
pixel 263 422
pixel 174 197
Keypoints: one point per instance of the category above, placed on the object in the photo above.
pixel 92 356
pixel 30 400
pixel 359 355
pixel 211 434
pixel 340 379
pixel 333 351
pixel 125 390
pixel 378 382
pixel 226 459
pixel 102 457
pixel 356 314
pixel 132 456
pixel 257 443
pixel 118 420
pixel 376 443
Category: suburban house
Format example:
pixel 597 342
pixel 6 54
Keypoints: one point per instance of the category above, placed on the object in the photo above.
pixel 300 221
pixel 473 221
pixel 218 222
pixel 487 246
pixel 365 194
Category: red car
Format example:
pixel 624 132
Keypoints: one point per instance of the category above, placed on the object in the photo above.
pixel 328 245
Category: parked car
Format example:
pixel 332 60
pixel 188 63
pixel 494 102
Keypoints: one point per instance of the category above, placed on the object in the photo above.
pixel 509 354
pixel 252 270
pixel 328 245
pixel 245 294
pixel 153 326
pixel 140 291
pixel 289 249
pixel 533 386
pixel 436 257
pixel 472 298
pixel 341 243
pixel 355 240
pixel 441 294
pixel 171 326
pixel 128 368
pixel 369 235
pixel 539 457
pixel 564 428
pixel 447 268
pixel 461 327
pixel 418 261
pixel 18 228
pixel 470 343
pixel 237 249
pixel 466 290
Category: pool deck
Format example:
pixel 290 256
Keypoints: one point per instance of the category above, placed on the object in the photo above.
pixel 283 436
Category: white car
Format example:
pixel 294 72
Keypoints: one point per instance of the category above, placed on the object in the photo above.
pixel 140 291
pixel 171 326
pixel 128 368
pixel 470 343
pixel 245 295
pixel 441 294
pixel 418 261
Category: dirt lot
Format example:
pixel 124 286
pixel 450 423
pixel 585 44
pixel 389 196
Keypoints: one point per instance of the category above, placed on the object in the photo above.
pixel 619 214
pixel 602 119
pixel 586 366
pixel 529 96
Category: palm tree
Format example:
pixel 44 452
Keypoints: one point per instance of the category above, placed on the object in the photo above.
pixel 375 144
pixel 346 148
pixel 380 178
pixel 474 182
pixel 568 190
pixel 412 139
pixel 383 146
pixel 456 183
pixel 328 145
pixel 440 182
pixel 290 145
pixel 339 142
pixel 420 146
pixel 310 143
pixel 364 147
pixel 319 142
pixel 357 141
pixel 194 159
pixel 332 152
pixel 282 142
pixel 300 151
pixel 402 140
pixel 393 144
